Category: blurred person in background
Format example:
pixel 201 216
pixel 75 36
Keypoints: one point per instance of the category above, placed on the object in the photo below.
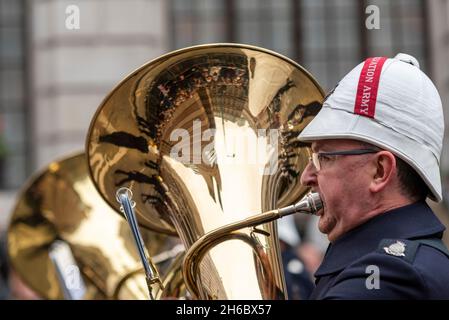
pixel 297 277
pixel 12 286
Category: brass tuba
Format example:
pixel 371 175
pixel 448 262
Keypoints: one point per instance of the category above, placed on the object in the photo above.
pixel 205 137
pixel 60 203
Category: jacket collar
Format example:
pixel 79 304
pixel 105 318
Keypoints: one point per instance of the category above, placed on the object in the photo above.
pixel 409 222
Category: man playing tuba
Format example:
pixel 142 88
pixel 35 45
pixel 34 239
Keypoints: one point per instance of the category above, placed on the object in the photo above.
pixel 376 147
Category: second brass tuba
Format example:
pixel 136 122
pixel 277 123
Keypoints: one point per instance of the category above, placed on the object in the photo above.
pixel 204 137
pixel 59 205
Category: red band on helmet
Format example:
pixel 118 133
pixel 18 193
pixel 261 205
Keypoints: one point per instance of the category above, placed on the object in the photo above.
pixel 365 102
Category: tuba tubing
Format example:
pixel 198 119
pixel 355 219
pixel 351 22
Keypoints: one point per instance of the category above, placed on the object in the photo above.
pixel 311 204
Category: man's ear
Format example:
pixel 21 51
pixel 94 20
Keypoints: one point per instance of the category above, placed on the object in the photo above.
pixel 384 170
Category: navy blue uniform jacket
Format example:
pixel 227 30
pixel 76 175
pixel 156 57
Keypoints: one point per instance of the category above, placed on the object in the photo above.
pixel 417 272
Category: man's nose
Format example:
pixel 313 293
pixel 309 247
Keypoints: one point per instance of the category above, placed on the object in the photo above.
pixel 308 176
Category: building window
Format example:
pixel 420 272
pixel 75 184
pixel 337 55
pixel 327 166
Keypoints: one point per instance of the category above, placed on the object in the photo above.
pixel 328 38
pixel 265 23
pixel 331 38
pixel 197 22
pixel 402 29
pixel 12 102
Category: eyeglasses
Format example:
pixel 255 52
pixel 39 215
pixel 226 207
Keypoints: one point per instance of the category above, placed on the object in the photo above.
pixel 318 157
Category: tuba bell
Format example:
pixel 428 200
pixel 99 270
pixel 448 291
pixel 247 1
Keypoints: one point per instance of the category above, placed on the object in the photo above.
pixel 205 137
pixel 59 208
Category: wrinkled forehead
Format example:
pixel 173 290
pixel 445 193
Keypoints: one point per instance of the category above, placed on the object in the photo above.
pixel 335 144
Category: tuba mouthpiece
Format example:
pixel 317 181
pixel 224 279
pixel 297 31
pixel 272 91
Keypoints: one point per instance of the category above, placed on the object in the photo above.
pixel 310 204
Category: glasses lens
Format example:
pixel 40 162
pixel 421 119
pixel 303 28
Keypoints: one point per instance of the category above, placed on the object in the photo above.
pixel 316 161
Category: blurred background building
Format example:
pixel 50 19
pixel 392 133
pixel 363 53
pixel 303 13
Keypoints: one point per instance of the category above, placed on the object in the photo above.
pixel 52 78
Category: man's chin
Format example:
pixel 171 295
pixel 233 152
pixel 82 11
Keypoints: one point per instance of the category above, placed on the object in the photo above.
pixel 325 224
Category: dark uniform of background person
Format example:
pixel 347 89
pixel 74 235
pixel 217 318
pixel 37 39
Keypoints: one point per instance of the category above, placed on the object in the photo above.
pixel 12 287
pixel 376 147
pixel 4 287
pixel 297 278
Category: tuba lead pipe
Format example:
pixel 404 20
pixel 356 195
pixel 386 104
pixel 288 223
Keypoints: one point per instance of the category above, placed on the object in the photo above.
pixel 310 204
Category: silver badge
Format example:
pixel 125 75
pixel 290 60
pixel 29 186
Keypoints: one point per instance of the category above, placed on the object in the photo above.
pixel 396 249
